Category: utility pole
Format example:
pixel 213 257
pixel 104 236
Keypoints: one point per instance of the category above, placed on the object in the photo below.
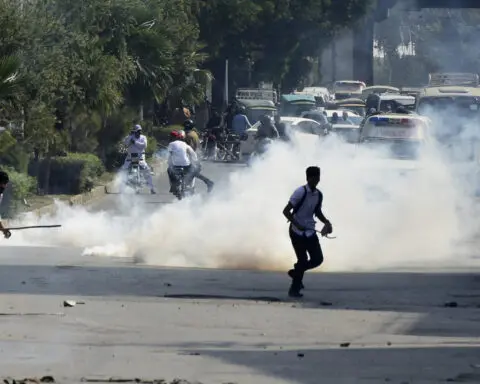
pixel 334 58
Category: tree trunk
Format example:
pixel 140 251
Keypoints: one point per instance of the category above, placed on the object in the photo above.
pixel 140 112
pixel 46 182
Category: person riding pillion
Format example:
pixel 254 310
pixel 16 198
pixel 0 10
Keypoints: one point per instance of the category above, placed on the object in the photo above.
pixel 4 180
pixel 191 134
pixel 137 145
pixel 192 139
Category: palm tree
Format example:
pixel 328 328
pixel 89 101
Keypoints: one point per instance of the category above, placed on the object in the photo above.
pixel 10 80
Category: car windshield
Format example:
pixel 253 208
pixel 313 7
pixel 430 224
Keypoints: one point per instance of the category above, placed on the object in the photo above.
pixel 254 115
pixel 396 149
pixel 465 105
pixel 392 105
pixel 347 87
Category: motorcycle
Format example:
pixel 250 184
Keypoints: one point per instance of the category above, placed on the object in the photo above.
pixel 135 178
pixel 184 188
pixel 261 149
pixel 209 146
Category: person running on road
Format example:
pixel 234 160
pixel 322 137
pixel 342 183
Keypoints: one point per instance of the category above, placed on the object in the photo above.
pixel 193 140
pixel 304 204
pixel 4 180
pixel 137 144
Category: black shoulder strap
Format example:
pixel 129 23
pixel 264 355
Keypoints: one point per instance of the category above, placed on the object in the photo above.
pixel 300 203
pixel 319 203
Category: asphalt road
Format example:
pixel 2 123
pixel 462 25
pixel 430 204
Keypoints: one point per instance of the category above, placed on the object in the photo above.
pixel 217 172
pixel 222 326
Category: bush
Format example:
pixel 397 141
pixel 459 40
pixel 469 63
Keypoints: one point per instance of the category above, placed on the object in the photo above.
pixel 16 158
pixel 162 134
pixel 152 147
pixel 72 174
pixel 20 187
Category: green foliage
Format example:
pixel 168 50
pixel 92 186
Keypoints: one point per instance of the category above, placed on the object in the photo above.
pixel 72 174
pixel 151 146
pixel 162 134
pixel 21 186
pixel 76 75
pixel 7 142
pixel 276 38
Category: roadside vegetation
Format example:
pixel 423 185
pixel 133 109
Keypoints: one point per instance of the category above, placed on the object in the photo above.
pixel 76 75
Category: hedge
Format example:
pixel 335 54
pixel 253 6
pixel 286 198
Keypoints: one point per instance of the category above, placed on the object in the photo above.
pixel 72 174
pixel 162 134
pixel 21 186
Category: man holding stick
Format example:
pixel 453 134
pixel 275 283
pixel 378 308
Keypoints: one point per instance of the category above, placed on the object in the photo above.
pixel 303 206
pixel 3 185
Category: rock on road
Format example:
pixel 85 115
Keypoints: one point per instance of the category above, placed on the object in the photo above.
pixel 223 326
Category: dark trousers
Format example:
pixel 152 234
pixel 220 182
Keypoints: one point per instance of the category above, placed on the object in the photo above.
pixel 205 179
pixel 189 175
pixel 309 255
pixel 192 172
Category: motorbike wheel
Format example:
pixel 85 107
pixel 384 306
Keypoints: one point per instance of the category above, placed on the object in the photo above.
pixel 180 189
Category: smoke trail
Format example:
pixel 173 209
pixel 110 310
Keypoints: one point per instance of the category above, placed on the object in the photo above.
pixel 387 214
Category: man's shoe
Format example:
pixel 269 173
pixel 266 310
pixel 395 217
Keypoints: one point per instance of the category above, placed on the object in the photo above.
pixel 153 192
pixel 291 273
pixel 210 187
pixel 294 293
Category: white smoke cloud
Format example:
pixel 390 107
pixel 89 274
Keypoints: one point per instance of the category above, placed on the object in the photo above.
pixel 383 216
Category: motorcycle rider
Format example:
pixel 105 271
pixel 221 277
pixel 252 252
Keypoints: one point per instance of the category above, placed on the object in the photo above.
pixel 137 144
pixel 180 154
pixel 266 131
pixel 240 122
pixel 191 133
pixel 4 180
pixel 281 128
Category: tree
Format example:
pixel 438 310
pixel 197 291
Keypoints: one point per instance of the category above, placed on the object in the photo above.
pixel 280 37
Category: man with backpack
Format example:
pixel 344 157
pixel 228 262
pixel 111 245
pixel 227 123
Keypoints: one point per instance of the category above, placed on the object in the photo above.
pixel 304 204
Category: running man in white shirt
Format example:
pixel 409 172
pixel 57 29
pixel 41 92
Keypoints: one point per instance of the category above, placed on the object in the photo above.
pixel 137 144
pixel 3 184
pixel 304 204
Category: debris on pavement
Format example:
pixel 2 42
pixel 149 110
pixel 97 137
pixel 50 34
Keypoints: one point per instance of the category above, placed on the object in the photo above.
pixel 44 379
pixel 31 314
pixel 451 304
pixel 465 378
pixel 300 355
pixel 136 380
pixel 345 345
pixel 326 303
pixel 72 303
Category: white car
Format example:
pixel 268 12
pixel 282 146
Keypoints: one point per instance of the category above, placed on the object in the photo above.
pixel 296 124
pixel 397 143
pixel 349 129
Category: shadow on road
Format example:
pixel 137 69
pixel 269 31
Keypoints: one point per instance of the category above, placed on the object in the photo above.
pixel 363 364
pixel 440 296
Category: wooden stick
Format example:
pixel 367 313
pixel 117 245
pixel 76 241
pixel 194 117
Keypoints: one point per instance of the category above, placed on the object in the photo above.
pixel 34 226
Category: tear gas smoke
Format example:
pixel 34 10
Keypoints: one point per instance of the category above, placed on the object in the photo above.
pixel 384 215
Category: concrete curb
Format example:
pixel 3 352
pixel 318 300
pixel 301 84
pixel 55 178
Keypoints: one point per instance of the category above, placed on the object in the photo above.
pixel 160 167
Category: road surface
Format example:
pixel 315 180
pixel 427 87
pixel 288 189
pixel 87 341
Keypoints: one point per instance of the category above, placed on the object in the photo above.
pixel 217 172
pixel 221 326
